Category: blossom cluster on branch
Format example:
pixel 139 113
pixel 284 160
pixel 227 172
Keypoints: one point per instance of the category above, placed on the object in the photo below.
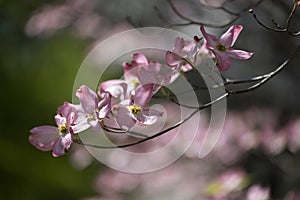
pixel 126 100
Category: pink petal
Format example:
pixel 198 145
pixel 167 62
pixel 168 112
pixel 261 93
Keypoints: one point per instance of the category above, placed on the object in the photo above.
pixel 61 145
pixel 67 140
pixel 224 62
pixel 124 117
pixel 81 122
pixel 146 77
pixel 88 99
pixel 58 148
pixel 43 137
pixel 211 40
pixel 60 120
pixel 228 39
pixel 143 94
pixel 116 88
pixel 67 110
pixel 149 116
pixel 239 54
pixel 105 105
pixel 140 59
pixel 152 112
pixel 173 59
pixel 178 44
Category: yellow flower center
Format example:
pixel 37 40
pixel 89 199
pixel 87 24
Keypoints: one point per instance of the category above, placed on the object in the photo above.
pixel 221 47
pixel 135 82
pixel 63 128
pixel 135 109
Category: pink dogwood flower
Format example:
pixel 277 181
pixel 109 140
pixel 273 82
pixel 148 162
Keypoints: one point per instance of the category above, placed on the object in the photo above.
pixel 222 48
pixel 58 139
pixel 142 71
pixel 133 110
pixel 93 111
pixel 122 89
pixel 182 49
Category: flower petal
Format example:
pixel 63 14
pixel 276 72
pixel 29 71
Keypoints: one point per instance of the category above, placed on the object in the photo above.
pixel 224 62
pixel 61 145
pixel 140 58
pixel 88 99
pixel 143 94
pixel 211 40
pixel 81 122
pixel 65 109
pixel 228 39
pixel 67 140
pixel 124 117
pixel 149 116
pixel 43 137
pixel 138 61
pixel 104 105
pixel 239 54
pixel 60 120
pixel 173 59
pixel 178 44
pixel 58 148
pixel 117 88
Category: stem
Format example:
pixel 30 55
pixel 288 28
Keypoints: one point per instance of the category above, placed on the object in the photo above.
pixel 142 140
pixel 193 22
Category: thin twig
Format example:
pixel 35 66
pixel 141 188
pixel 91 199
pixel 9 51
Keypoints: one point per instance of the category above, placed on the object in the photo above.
pixel 279 28
pixel 194 22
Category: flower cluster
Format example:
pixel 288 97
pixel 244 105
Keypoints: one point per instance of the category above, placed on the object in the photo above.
pixel 126 100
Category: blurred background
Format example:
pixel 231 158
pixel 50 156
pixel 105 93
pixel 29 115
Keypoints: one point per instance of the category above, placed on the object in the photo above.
pixel 43 44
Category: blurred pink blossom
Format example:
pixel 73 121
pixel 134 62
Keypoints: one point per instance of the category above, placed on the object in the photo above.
pixel 257 192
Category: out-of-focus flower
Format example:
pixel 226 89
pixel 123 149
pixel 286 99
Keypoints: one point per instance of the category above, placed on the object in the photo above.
pixel 273 141
pixel 182 49
pixel 80 157
pixel 257 192
pixel 222 48
pixel 292 195
pixel 58 139
pixel 93 110
pixel 133 110
pixel 293 136
pixel 48 20
pixel 229 181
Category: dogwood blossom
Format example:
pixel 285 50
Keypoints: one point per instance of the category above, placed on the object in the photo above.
pixel 142 71
pixel 133 110
pixel 222 48
pixel 182 49
pixel 58 139
pixel 93 110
